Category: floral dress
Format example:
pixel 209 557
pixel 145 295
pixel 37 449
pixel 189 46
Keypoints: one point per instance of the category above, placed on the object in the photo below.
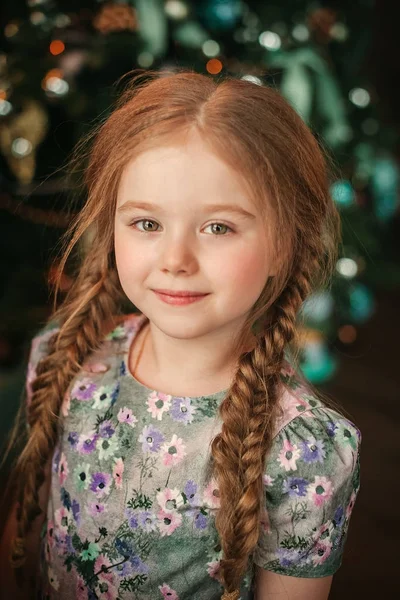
pixel 132 504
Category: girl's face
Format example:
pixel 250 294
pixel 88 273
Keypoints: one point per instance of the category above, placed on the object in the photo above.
pixel 182 241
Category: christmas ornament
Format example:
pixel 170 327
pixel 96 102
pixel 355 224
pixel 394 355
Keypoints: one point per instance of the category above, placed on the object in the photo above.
pixel 115 17
pixel 20 136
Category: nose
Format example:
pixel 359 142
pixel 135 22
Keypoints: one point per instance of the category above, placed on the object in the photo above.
pixel 178 253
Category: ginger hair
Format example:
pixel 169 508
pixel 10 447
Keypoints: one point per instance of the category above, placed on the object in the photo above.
pixel 254 129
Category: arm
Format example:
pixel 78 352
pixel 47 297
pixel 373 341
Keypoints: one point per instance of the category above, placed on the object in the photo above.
pixel 271 586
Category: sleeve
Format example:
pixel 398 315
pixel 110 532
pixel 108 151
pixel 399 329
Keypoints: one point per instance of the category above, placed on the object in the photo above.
pixel 311 481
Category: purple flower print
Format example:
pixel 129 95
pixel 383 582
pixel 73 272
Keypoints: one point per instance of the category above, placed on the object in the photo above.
pixel 83 389
pixel 87 443
pixel 190 491
pixel 124 570
pixel 288 558
pixel 106 429
pixel 125 547
pixel 56 460
pixel 100 483
pixel 313 451
pixel 338 517
pixel 132 518
pixel 138 565
pixel 65 498
pixel 331 428
pixel 182 411
pixel 151 439
pixel 147 520
pixel 76 511
pixel 68 544
pixel 200 521
pixel 295 486
pixel 73 438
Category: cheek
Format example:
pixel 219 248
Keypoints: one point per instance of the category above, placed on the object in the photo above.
pixel 245 270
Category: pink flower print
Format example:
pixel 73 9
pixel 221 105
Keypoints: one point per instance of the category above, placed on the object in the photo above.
pixel 101 564
pixel 125 415
pixel 350 506
pixel 264 521
pixel 173 452
pixel 106 591
pixel 50 533
pixel 52 579
pixel 211 494
pixel 288 456
pixel 320 491
pixel 167 592
pixel 95 367
pixel 80 589
pixel 83 389
pixel 63 470
pixel 66 405
pixel 168 521
pixel 30 376
pixel 117 472
pixel 96 508
pixel 268 480
pixel 61 519
pixel 321 551
pixel 213 568
pixel 158 404
pixel 169 499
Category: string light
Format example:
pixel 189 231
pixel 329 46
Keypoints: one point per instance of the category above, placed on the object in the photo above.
pixel 270 40
pixel 21 147
pixel 347 334
pixel 57 47
pixel 5 107
pixel 347 267
pixel 214 66
pixel 359 97
pixel 211 48
pixel 252 79
pixel 175 9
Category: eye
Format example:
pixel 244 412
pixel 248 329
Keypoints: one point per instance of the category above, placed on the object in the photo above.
pixel 154 222
pixel 143 221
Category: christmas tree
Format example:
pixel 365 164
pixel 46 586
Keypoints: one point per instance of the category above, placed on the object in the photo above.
pixel 62 65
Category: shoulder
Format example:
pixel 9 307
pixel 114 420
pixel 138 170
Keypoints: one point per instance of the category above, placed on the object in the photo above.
pixel 301 408
pixel 314 443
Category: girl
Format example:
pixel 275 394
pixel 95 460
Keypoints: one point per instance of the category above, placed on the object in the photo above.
pixel 176 452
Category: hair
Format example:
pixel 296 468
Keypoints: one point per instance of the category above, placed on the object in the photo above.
pixel 285 168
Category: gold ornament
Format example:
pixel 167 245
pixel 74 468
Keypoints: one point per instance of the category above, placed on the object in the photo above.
pixel 115 17
pixel 19 138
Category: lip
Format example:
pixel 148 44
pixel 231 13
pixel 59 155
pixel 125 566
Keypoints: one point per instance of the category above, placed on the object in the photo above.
pixel 180 294
pixel 180 300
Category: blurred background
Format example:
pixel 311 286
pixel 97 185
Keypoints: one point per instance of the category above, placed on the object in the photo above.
pixel 337 63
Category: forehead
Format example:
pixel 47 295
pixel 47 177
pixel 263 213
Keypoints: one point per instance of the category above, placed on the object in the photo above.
pixel 189 171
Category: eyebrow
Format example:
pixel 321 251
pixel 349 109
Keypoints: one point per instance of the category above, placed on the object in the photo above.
pixel 233 208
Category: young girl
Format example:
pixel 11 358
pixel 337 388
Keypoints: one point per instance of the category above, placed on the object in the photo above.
pixel 176 452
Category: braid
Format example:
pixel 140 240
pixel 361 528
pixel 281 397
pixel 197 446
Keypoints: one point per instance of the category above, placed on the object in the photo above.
pixel 248 414
pixel 85 317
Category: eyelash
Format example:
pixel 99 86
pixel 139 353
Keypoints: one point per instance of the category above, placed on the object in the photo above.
pixel 151 221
